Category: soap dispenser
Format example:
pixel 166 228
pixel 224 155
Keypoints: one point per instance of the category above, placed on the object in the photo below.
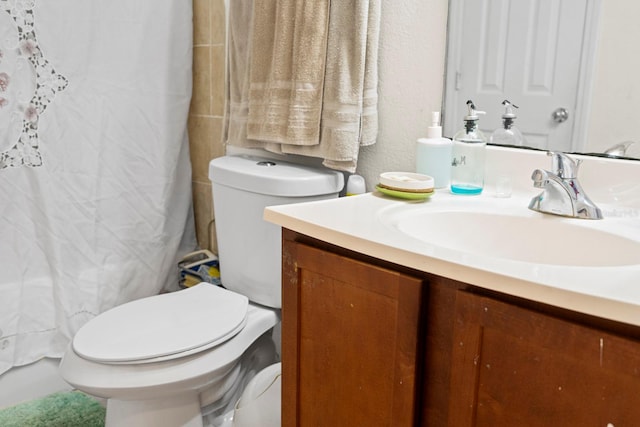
pixel 468 155
pixel 433 154
pixel 508 134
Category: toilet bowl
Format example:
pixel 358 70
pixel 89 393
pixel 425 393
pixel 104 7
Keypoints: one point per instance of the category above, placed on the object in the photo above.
pixel 160 360
pixel 169 388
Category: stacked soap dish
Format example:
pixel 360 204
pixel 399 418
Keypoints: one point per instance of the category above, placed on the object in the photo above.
pixel 405 185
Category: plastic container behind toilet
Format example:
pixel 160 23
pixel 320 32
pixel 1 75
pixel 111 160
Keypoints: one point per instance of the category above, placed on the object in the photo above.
pixel 259 404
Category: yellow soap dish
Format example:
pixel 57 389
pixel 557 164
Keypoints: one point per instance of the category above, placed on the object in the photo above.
pixel 410 195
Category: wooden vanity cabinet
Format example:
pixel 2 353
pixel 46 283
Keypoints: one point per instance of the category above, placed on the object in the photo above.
pixel 350 333
pixel 369 343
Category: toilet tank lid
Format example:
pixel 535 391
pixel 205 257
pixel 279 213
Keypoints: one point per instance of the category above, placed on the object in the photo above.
pixel 274 177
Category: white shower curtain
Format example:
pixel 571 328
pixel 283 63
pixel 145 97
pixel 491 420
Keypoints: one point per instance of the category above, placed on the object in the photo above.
pixel 95 180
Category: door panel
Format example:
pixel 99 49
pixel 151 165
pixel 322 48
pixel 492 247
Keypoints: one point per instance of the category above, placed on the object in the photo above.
pixel 513 366
pixel 528 52
pixel 350 341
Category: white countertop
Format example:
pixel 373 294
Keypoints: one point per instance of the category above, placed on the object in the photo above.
pixel 360 223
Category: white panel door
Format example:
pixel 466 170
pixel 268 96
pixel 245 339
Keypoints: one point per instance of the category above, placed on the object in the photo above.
pixel 527 51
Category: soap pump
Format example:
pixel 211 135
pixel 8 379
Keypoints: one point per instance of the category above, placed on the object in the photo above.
pixel 433 154
pixel 508 134
pixel 468 155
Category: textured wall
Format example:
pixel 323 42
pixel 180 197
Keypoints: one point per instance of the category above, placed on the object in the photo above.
pixel 412 52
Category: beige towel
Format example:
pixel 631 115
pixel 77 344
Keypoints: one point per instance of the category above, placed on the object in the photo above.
pixel 350 78
pixel 289 45
pixel 239 54
pixel 349 110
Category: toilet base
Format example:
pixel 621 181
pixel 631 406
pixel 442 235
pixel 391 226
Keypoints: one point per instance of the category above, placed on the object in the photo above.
pixel 182 410
pixel 186 408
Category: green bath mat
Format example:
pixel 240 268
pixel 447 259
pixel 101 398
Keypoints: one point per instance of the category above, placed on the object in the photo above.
pixel 67 409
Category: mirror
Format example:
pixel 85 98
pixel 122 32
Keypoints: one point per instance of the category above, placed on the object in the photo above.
pixel 546 56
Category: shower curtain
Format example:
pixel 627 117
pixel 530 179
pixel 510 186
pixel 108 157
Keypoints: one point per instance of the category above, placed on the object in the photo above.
pixel 95 179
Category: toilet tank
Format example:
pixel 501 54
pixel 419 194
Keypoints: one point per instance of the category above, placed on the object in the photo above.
pixel 249 248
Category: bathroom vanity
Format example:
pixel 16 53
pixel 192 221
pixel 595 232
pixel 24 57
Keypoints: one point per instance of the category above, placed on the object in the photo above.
pixel 378 344
pixel 386 321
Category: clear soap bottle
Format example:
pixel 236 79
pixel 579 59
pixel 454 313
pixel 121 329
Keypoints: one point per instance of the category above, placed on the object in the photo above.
pixel 508 134
pixel 468 155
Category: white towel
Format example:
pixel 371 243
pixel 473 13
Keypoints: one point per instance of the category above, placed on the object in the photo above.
pixel 240 15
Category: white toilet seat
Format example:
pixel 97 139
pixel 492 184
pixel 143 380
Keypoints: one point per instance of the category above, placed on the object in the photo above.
pixel 163 327
pixel 185 374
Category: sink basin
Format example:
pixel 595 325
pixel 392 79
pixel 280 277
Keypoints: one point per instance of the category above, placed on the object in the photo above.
pixel 540 239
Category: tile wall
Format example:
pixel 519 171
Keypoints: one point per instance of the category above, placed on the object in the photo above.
pixel 207 109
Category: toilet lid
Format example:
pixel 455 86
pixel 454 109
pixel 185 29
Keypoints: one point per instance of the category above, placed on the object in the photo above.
pixel 163 326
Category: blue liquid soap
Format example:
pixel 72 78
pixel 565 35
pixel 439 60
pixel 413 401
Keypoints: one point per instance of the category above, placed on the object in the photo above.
pixel 468 156
pixel 466 190
pixel 467 166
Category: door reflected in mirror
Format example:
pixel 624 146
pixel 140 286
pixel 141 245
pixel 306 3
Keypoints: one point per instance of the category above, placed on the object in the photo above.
pixel 568 64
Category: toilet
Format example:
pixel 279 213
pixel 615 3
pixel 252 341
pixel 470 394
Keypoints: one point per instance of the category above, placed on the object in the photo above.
pixel 167 359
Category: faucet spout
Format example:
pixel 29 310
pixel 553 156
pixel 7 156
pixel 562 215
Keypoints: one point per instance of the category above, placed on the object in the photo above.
pixel 618 150
pixel 562 193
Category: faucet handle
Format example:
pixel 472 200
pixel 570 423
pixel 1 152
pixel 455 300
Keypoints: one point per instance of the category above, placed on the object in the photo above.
pixel 563 165
pixel 540 178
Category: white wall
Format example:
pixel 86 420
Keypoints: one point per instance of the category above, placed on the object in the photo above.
pixel 615 102
pixel 411 81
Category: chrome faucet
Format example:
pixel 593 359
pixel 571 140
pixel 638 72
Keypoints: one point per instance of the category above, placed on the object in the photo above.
pixel 562 193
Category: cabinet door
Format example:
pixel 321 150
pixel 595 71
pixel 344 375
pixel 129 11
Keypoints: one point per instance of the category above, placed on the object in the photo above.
pixel 512 366
pixel 350 341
